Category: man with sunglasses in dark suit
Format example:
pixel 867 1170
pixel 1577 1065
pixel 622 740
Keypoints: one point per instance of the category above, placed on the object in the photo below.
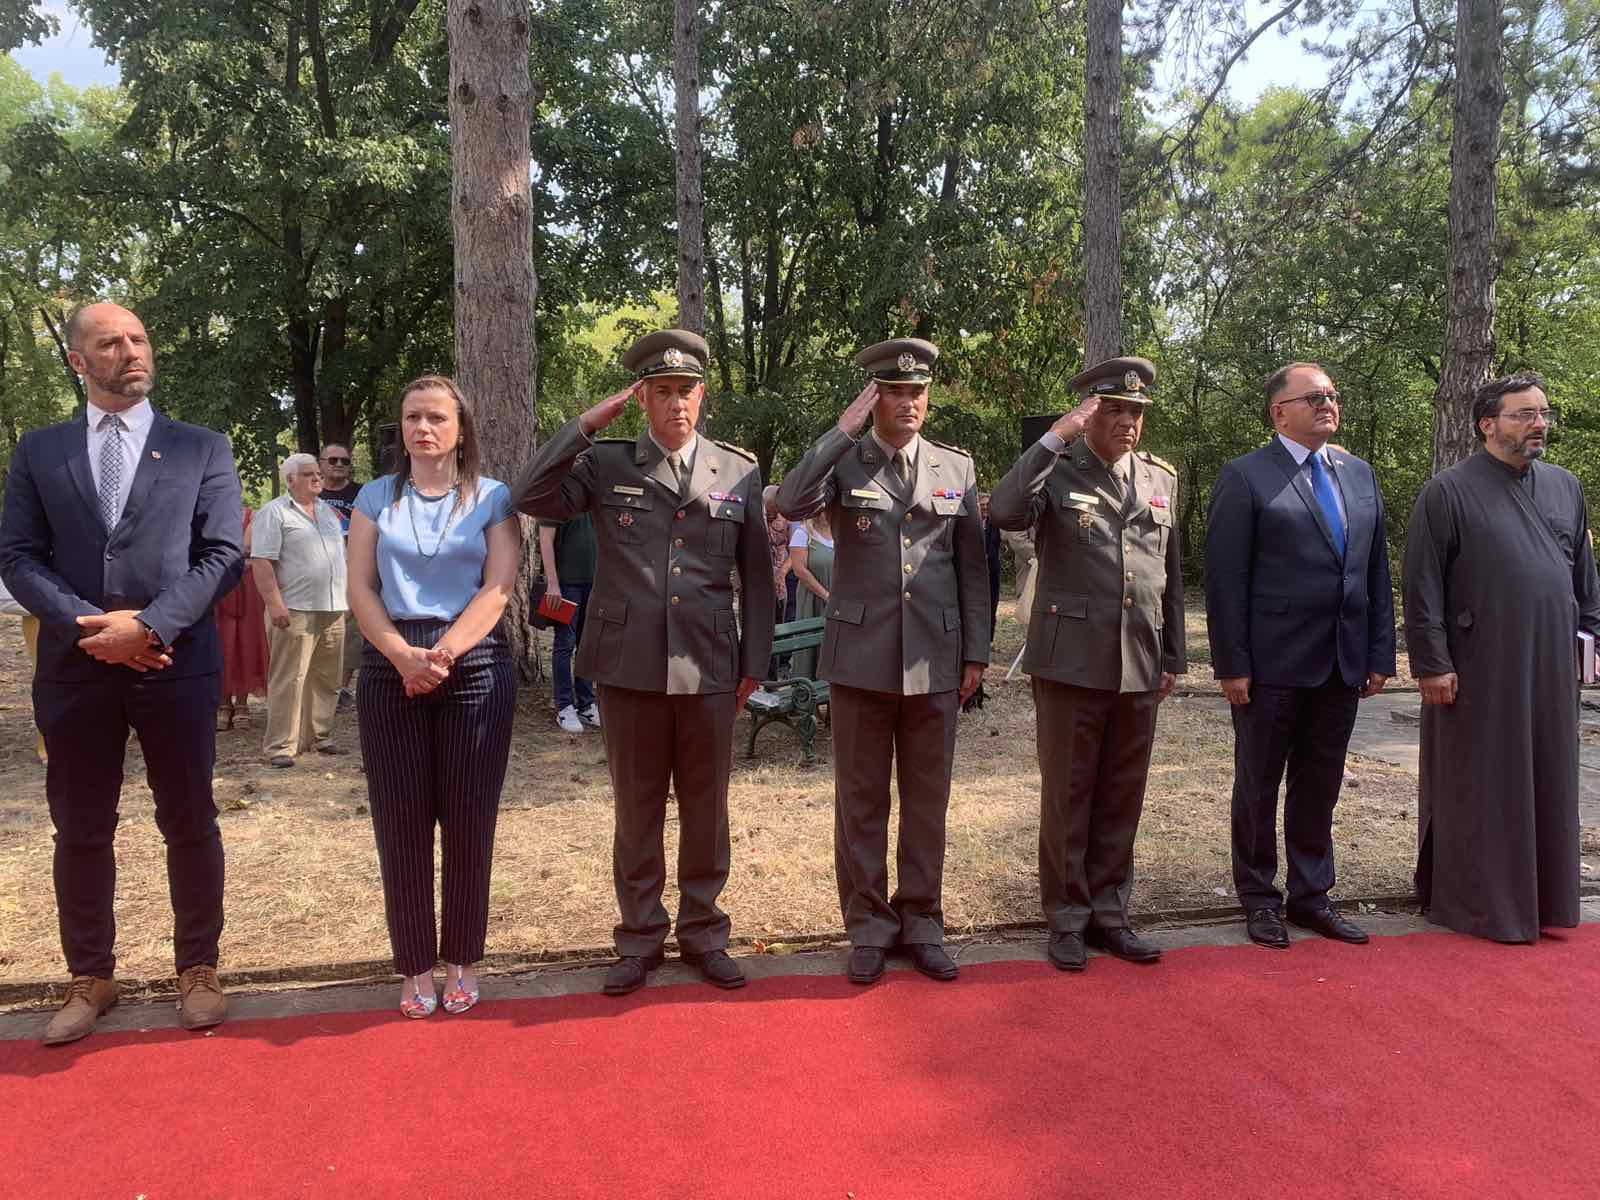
pixel 1301 621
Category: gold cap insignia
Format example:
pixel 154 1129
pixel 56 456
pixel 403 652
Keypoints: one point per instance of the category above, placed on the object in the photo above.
pixel 906 361
pixel 1131 381
pixel 672 356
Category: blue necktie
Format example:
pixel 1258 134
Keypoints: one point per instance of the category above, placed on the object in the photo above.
pixel 1323 487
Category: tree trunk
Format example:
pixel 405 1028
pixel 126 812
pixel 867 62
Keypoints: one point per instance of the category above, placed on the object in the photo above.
pixel 691 200
pixel 491 212
pixel 1474 259
pixel 1102 208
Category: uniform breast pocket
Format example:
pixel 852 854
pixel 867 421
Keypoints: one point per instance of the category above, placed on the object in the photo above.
pixel 625 516
pixel 727 519
pixel 946 509
pixel 1161 523
pixel 866 518
pixel 1084 520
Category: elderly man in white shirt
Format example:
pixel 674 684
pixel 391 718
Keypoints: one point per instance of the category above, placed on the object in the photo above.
pixel 297 557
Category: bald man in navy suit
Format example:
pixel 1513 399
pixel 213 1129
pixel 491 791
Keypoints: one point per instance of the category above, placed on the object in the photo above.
pixel 121 529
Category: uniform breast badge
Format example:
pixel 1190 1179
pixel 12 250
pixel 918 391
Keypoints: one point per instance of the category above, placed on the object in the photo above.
pixel 863 522
pixel 1085 520
pixel 624 519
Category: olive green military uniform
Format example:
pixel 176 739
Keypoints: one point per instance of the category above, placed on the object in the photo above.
pixel 1106 621
pixel 909 605
pixel 663 646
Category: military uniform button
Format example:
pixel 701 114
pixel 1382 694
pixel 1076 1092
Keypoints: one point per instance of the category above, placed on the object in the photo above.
pixel 674 599
pixel 678 542
pixel 908 541
pixel 907 568
pixel 907 517
pixel 1127 601
pixel 1052 609
pixel 677 570
pixel 1129 576
pixel 908 595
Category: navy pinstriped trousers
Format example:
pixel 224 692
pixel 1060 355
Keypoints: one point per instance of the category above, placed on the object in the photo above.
pixel 438 759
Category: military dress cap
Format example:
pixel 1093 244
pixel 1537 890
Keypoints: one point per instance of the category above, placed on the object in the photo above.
pixel 899 360
pixel 668 352
pixel 1117 379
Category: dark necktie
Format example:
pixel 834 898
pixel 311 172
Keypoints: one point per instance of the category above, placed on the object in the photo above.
pixel 110 469
pixel 1323 487
pixel 678 473
pixel 902 467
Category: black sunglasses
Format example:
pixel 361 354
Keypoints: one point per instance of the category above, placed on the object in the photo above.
pixel 334 460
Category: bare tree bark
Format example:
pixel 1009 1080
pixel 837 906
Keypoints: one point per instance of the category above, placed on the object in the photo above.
pixel 1474 257
pixel 1102 209
pixel 691 200
pixel 491 211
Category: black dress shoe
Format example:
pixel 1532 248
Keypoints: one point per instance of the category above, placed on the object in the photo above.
pixel 932 961
pixel 1066 951
pixel 866 964
pixel 1121 942
pixel 1265 927
pixel 628 974
pixel 718 969
pixel 1329 924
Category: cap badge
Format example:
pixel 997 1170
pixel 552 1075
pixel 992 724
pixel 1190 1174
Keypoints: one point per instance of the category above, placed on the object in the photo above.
pixel 1131 381
pixel 863 522
pixel 672 357
pixel 906 361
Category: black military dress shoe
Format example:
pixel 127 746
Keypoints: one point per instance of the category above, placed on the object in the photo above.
pixel 1066 951
pixel 932 961
pixel 719 969
pixel 1329 924
pixel 628 974
pixel 1122 942
pixel 866 964
pixel 1265 928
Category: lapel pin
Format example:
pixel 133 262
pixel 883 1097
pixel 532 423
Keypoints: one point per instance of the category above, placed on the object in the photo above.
pixel 155 454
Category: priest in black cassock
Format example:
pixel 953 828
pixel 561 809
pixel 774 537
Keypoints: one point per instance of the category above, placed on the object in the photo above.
pixel 1499 579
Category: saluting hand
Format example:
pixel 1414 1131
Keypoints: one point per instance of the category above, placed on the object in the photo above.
pixel 855 417
pixel 607 411
pixel 1069 425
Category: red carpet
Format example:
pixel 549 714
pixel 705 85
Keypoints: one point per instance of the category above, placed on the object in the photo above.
pixel 1429 1065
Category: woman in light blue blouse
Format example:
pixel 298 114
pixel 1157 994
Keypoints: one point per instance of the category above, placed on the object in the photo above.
pixel 433 557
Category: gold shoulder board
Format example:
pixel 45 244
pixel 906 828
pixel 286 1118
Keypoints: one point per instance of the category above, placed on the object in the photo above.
pixel 739 450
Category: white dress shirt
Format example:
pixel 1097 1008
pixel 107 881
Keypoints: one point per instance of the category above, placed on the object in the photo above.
pixel 1301 453
pixel 136 423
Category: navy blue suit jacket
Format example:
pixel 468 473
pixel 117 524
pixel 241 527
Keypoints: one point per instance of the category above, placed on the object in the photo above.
pixel 178 547
pixel 1281 606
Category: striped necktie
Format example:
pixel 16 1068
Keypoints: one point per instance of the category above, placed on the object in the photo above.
pixel 111 470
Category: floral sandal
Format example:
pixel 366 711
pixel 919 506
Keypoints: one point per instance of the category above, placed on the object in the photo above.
pixel 416 1005
pixel 458 999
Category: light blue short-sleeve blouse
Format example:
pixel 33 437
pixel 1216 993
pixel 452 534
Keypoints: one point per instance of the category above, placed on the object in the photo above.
pixel 431 555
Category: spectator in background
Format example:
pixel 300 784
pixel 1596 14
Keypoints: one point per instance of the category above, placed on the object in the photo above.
pixel 30 638
pixel 339 489
pixel 811 557
pixel 991 552
pixel 297 558
pixel 783 579
pixel 241 621
pixel 568 550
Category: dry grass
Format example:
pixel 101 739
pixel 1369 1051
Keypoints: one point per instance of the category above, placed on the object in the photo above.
pixel 302 873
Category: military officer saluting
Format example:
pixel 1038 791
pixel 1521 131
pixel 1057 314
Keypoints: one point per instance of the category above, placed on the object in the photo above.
pixel 906 642
pixel 1105 645
pixel 674 513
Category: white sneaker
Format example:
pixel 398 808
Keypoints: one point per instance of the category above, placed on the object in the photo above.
pixel 591 715
pixel 567 718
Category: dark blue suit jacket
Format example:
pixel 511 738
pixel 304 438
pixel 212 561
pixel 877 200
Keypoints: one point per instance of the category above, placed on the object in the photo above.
pixel 178 547
pixel 1281 606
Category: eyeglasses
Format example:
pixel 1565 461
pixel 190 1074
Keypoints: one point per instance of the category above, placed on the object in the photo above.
pixel 1527 416
pixel 1315 400
pixel 334 460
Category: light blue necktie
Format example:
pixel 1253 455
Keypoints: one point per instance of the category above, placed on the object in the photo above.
pixel 110 470
pixel 1323 487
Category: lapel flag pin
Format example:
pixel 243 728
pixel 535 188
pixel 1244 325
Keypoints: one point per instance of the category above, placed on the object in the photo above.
pixel 155 454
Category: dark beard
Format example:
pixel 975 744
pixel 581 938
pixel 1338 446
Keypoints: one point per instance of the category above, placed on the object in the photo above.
pixel 136 389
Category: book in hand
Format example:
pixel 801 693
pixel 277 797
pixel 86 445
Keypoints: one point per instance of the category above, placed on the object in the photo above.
pixel 1585 658
pixel 557 608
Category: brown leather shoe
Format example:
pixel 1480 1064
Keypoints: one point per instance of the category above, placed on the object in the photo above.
pixel 87 998
pixel 201 1001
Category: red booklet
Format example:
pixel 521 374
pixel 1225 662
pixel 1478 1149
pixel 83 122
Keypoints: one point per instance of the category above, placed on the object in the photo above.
pixel 557 608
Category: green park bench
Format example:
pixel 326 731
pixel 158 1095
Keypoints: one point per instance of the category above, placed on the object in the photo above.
pixel 792 702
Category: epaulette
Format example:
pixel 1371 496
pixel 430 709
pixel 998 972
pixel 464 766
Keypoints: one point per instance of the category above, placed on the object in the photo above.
pixel 739 450
pixel 948 446
pixel 1157 460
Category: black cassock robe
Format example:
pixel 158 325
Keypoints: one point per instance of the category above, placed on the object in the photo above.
pixel 1499 577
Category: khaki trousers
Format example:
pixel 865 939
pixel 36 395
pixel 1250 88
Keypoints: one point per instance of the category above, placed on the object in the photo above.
pixel 304 671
